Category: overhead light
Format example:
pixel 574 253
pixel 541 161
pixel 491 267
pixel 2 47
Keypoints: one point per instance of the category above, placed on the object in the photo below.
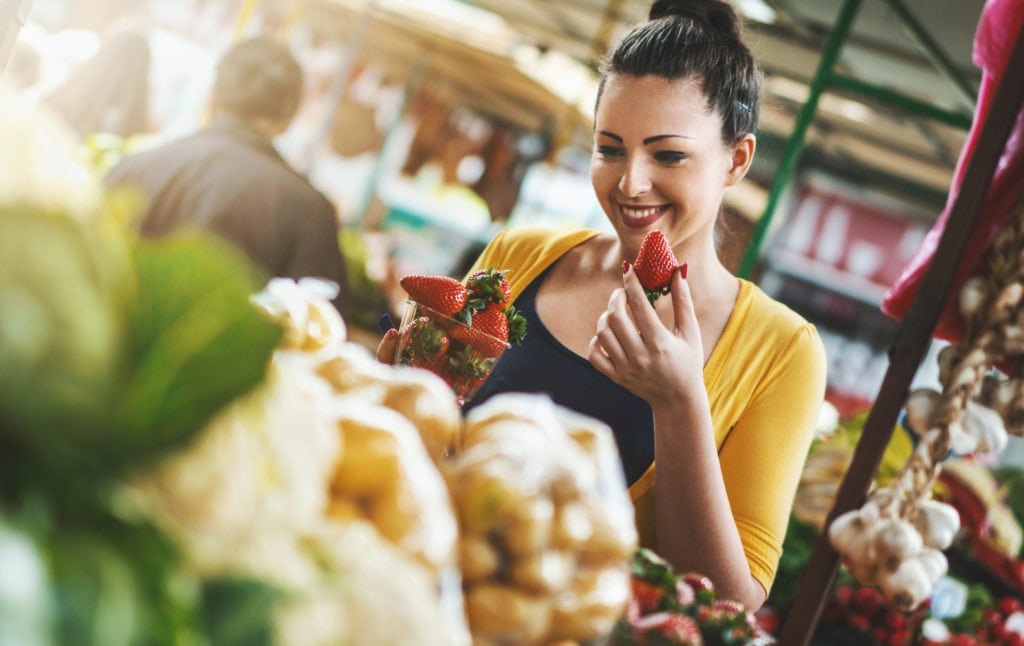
pixel 758 10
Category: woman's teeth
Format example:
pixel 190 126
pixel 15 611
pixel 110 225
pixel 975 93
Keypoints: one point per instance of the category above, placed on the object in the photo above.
pixel 635 213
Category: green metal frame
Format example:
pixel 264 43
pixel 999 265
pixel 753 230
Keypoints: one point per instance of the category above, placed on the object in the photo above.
pixel 824 78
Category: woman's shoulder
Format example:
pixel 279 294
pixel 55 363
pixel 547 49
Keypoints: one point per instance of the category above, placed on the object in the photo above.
pixel 527 251
pixel 539 239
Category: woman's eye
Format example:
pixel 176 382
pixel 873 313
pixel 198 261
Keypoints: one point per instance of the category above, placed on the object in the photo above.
pixel 669 157
pixel 609 151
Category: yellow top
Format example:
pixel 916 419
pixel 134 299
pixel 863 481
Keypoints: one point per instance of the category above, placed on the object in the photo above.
pixel 765 381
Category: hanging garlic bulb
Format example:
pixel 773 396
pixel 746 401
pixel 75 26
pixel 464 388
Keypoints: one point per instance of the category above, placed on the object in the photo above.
pixel 920 407
pixel 895 541
pixel 908 585
pixel 985 426
pixel 937 522
pixel 972 296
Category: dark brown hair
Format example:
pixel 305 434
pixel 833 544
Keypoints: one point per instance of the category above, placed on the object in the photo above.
pixel 259 78
pixel 695 39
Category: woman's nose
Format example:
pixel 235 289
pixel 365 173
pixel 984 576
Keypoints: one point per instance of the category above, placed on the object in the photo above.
pixel 636 178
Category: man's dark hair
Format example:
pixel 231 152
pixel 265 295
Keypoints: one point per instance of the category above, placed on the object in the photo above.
pixel 698 39
pixel 259 78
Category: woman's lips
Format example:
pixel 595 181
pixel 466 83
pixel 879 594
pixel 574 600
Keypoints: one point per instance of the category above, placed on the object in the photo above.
pixel 639 217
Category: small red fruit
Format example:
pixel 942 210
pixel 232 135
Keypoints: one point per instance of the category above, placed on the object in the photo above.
pixel 442 294
pixel 648 596
pixel 488 286
pixel 487 332
pixel 655 264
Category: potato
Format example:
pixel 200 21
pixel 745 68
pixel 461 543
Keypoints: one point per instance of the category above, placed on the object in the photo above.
pixel 543 572
pixel 506 614
pixel 394 512
pixel 572 527
pixel 614 537
pixel 370 461
pixel 483 499
pixel 597 600
pixel 528 528
pixel 478 558
pixel 426 400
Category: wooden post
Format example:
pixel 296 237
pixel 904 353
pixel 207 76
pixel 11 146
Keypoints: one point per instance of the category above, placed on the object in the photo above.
pixel 909 347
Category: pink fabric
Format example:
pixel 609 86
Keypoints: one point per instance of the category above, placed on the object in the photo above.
pixel 1000 22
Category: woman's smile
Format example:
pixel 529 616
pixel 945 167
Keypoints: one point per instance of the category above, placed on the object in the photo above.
pixel 642 216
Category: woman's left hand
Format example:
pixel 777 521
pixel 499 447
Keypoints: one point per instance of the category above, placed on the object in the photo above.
pixel 636 350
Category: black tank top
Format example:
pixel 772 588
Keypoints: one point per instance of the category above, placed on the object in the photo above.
pixel 541 364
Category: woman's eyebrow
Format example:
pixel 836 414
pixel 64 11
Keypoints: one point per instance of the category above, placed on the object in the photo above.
pixel 648 140
pixel 660 137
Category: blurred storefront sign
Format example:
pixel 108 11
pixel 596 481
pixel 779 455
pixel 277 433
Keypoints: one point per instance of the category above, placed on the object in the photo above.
pixel 832 261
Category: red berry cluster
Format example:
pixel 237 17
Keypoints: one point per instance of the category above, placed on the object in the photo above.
pixel 461 328
pixel 868 613
pixel 993 627
pixel 668 609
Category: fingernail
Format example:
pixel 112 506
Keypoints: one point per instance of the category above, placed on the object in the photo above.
pixel 682 270
pixel 625 266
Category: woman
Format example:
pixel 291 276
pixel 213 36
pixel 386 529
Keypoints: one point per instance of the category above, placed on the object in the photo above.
pixel 719 383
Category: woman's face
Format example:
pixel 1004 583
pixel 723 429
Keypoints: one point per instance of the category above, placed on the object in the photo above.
pixel 659 161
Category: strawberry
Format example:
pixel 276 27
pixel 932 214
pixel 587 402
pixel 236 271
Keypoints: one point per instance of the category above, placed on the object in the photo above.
pixel 487 286
pixel 465 370
pixel 678 629
pixel 424 343
pixel 654 265
pixel 646 594
pixel 487 332
pixel 442 294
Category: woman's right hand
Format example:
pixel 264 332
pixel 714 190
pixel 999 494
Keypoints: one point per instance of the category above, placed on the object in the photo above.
pixel 387 347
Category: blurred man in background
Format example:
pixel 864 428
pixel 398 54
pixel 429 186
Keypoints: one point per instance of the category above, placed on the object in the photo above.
pixel 229 179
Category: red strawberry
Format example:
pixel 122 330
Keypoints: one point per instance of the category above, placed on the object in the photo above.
pixel 488 286
pixel 647 595
pixel 424 343
pixel 442 294
pixel 654 265
pixel 487 332
pixel 679 629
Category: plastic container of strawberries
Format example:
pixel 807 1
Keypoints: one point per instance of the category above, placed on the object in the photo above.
pixel 462 356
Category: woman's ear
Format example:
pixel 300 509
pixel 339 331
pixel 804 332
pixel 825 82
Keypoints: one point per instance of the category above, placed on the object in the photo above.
pixel 742 154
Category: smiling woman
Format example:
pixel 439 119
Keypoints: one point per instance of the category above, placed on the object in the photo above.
pixel 718 384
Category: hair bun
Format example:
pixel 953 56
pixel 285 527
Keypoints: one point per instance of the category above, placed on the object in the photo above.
pixel 716 14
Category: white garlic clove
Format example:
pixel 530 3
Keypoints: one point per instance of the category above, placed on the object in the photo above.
pixel 960 441
pixel 985 426
pixel 848 535
pixel 972 296
pixel 938 523
pixel 920 407
pixel 935 563
pixel 908 585
pixel 895 541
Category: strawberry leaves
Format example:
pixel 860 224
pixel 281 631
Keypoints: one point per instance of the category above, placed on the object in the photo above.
pixel 655 264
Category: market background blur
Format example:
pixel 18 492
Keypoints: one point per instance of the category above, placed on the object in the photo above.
pixel 430 125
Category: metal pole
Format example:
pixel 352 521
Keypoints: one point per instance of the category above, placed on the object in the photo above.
pixel 901 101
pixel 934 52
pixel 796 141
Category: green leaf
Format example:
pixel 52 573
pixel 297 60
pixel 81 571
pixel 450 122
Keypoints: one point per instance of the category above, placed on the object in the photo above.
pixel 198 342
pixel 238 612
